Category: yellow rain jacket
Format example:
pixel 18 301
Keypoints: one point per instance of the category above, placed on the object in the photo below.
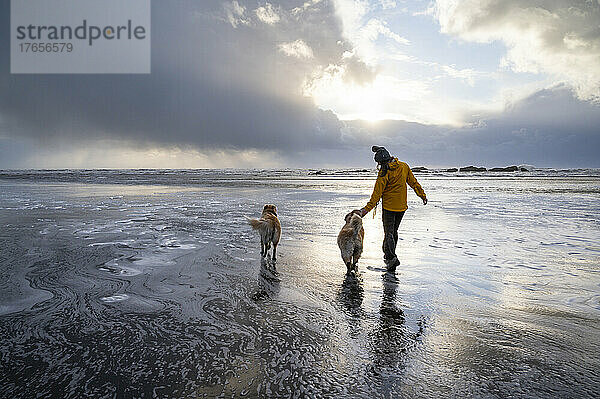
pixel 392 187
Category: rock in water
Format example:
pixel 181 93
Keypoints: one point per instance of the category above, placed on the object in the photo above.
pixel 472 169
pixel 506 169
pixel 419 169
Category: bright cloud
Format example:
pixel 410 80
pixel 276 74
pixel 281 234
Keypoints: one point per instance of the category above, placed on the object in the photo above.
pixel 385 97
pixel 387 4
pixel 468 75
pixel 267 14
pixel 398 85
pixel 375 28
pixel 363 30
pixel 307 5
pixel 560 38
pixel 235 14
pixel 297 48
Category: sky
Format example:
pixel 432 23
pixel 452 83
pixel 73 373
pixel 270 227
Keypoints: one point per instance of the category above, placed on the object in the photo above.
pixel 253 84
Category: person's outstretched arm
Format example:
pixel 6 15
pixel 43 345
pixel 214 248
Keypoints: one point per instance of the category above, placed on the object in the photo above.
pixel 414 184
pixel 377 193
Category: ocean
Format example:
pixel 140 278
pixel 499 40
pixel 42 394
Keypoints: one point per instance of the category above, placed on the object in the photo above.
pixel 149 283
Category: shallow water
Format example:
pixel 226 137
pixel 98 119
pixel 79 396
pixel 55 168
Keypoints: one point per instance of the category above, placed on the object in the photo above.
pixel 141 290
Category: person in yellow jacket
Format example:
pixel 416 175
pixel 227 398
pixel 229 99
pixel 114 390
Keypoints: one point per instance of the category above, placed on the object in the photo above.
pixel 390 186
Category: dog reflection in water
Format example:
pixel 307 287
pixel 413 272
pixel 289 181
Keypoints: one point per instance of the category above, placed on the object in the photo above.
pixel 268 281
pixel 350 296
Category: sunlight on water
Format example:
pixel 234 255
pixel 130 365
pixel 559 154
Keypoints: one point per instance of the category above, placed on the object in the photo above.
pixel 139 289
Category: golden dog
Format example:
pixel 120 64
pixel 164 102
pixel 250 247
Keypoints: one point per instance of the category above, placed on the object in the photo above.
pixel 269 228
pixel 350 239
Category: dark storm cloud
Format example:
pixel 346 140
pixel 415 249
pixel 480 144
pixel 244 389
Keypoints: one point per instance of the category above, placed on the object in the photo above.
pixel 212 84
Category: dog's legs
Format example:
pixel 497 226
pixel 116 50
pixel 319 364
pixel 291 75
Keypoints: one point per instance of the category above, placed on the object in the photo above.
pixel 355 259
pixel 267 247
pixel 262 247
pixel 349 266
pixel 356 256
pixel 274 251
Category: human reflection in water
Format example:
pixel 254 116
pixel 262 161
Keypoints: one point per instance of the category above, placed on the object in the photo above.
pixel 390 338
pixel 268 280
pixel 351 296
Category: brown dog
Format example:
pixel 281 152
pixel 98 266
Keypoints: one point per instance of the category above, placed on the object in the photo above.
pixel 269 228
pixel 350 239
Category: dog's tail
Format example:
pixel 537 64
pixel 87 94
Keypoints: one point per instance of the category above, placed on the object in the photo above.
pixel 255 223
pixel 356 223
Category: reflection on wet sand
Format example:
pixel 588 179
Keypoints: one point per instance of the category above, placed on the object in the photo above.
pixel 389 338
pixel 351 296
pixel 268 280
pixel 111 291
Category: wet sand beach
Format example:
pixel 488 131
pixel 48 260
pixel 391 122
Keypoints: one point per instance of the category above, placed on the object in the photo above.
pixel 153 286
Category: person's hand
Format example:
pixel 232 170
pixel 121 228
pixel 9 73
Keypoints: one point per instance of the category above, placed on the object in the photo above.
pixel 424 201
pixel 361 212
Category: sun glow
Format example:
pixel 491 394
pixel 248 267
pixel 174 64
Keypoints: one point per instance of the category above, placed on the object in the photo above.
pixel 385 97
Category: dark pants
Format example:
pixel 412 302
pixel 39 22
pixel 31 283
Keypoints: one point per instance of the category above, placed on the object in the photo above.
pixel 391 222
